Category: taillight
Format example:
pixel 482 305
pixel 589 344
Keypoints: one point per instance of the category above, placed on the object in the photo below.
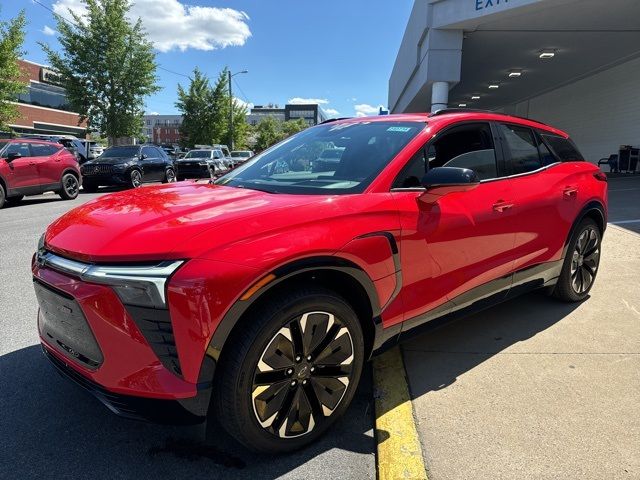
pixel 600 176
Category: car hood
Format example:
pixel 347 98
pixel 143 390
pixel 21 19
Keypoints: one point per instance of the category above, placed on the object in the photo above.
pixel 157 222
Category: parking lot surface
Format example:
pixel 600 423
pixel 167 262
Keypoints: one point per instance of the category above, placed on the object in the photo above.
pixel 535 388
pixel 50 428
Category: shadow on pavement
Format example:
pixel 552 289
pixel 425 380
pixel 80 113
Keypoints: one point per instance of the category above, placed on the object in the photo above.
pixel 454 348
pixel 51 428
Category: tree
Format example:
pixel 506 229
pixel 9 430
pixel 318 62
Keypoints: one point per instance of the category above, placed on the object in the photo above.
pixel 11 82
pixel 195 105
pixel 270 131
pixel 107 67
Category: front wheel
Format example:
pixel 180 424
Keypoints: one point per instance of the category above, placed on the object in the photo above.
pixel 581 263
pixel 135 178
pixel 70 186
pixel 290 371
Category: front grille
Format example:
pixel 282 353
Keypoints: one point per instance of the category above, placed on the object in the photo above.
pixel 97 169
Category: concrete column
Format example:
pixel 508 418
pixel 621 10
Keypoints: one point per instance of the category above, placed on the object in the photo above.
pixel 439 96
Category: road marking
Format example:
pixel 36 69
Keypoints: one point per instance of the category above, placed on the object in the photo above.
pixel 399 450
pixel 622 222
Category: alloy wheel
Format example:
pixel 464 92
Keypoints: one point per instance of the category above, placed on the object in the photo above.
pixel 71 186
pixel 171 176
pixel 136 179
pixel 585 260
pixel 302 374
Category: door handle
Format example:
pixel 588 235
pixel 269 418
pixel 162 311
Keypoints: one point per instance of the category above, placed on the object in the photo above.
pixel 501 206
pixel 570 192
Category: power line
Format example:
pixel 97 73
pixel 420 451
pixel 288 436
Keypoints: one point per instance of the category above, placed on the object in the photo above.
pixel 246 99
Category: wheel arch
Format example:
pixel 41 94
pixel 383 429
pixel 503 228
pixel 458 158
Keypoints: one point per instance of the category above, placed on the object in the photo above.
pixel 595 210
pixel 334 273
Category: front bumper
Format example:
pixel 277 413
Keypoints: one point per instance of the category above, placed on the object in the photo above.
pixel 191 170
pixel 114 179
pixel 96 341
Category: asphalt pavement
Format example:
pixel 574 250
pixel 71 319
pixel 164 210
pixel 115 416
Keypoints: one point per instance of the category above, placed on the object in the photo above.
pixel 50 428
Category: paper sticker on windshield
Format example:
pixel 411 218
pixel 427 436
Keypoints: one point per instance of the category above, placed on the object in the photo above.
pixel 398 129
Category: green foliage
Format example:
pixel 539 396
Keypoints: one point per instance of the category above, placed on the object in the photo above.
pixel 205 112
pixel 107 66
pixel 270 131
pixel 11 84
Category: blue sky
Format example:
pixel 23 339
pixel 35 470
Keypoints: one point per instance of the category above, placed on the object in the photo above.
pixel 336 51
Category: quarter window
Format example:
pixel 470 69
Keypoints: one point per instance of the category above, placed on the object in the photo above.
pixel 42 150
pixel 523 148
pixel 20 148
pixel 563 148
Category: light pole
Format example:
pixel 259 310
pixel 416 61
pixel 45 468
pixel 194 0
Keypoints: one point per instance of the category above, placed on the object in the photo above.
pixel 231 75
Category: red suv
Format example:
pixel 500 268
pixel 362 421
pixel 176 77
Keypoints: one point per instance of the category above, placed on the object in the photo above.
pixel 32 167
pixel 258 299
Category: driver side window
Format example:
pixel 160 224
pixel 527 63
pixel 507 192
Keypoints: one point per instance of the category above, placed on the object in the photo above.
pixel 464 146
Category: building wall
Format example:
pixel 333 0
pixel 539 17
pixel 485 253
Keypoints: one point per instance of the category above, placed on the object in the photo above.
pixel 600 112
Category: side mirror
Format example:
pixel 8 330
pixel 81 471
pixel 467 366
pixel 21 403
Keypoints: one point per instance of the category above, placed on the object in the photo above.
pixel 143 156
pixel 12 156
pixel 441 181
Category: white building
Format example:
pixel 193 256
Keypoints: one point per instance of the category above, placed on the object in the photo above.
pixel 574 64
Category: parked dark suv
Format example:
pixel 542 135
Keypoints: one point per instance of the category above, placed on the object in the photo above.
pixel 128 165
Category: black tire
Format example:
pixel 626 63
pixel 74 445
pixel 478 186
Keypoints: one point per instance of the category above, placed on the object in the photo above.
pixel 3 195
pixel 135 178
pixel 255 352
pixel 169 176
pixel 581 263
pixel 89 186
pixel 70 186
pixel 14 200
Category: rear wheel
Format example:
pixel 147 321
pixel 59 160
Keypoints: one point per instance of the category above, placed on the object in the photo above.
pixel 3 195
pixel 90 186
pixel 135 178
pixel 291 371
pixel 70 186
pixel 581 263
pixel 169 176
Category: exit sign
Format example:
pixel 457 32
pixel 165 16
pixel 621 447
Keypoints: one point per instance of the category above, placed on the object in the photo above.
pixel 482 4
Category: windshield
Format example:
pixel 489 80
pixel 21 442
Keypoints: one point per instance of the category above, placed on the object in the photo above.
pixel 198 154
pixel 114 152
pixel 296 165
pixel 240 154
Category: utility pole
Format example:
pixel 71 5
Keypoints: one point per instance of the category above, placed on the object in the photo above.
pixel 230 113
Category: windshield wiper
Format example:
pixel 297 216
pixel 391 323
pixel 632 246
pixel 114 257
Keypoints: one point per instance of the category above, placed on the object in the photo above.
pixel 253 187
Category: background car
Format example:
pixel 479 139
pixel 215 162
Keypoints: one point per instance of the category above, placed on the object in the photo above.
pixel 258 299
pixel 128 165
pixel 241 156
pixel 95 149
pixel 32 167
pixel 200 163
pixel 71 143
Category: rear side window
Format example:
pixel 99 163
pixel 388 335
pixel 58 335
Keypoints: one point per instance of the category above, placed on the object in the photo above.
pixel 564 148
pixel 523 148
pixel 545 155
pixel 149 152
pixel 43 150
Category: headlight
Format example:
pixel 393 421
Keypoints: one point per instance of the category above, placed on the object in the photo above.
pixel 204 164
pixel 138 285
pixel 120 167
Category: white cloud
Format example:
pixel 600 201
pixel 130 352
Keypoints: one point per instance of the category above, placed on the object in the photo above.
pixel 364 109
pixel 302 101
pixel 332 112
pixel 173 25
pixel 47 30
pixel 153 113
pixel 241 102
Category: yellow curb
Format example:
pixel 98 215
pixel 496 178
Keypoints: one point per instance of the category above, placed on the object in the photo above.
pixel 399 450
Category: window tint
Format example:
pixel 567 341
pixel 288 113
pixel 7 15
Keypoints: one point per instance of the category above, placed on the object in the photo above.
pixel 42 150
pixel 522 147
pixel 564 148
pixel 546 155
pixel 149 152
pixel 464 146
pixel 20 148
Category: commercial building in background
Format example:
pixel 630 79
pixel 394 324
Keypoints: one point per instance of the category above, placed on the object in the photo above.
pixel 573 64
pixel 311 113
pixel 162 129
pixel 44 108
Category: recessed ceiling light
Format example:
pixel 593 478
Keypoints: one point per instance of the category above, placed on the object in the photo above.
pixel 462 105
pixel 494 86
pixel 475 97
pixel 515 73
pixel 546 54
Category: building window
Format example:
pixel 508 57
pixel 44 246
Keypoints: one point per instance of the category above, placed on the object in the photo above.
pixel 43 95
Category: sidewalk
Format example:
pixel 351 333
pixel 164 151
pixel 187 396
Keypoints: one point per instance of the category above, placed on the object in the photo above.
pixel 535 388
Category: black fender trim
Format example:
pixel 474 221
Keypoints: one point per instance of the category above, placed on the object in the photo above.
pixel 592 206
pixel 305 265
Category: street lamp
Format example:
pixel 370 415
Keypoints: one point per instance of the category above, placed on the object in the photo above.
pixel 231 75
